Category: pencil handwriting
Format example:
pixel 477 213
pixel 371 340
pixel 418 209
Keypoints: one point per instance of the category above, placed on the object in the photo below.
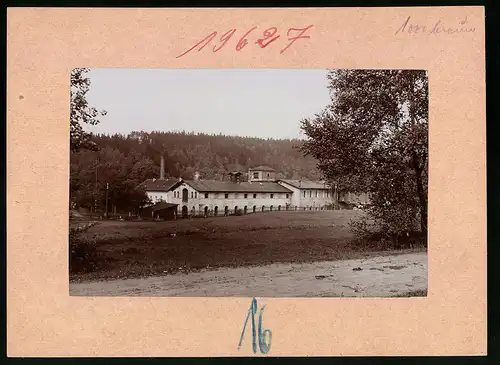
pixel 436 28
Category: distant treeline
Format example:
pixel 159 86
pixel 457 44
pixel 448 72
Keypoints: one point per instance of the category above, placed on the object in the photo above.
pixel 124 161
pixel 212 155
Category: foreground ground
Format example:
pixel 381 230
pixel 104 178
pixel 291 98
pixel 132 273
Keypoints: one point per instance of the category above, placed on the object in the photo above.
pixel 382 276
pixel 248 244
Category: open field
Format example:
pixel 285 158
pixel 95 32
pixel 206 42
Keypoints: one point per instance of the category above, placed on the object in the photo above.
pixel 141 249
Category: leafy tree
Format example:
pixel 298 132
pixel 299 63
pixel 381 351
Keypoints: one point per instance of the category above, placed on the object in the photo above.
pixel 80 111
pixel 373 138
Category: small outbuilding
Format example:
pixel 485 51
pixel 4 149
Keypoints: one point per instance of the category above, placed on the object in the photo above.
pixel 160 211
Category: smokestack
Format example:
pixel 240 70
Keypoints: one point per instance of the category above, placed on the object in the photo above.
pixel 162 168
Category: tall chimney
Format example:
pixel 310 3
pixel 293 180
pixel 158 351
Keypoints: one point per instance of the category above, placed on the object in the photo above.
pixel 162 168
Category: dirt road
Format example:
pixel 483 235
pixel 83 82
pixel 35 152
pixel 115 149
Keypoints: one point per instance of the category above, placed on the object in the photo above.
pixel 381 276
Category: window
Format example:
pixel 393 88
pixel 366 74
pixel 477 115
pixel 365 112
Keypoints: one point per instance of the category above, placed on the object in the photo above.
pixel 226 195
pixel 255 175
pixel 287 196
pixel 246 196
pixel 192 195
pixel 195 195
pixel 304 194
pixel 316 193
pixel 268 174
pixel 272 196
pixel 206 195
pixel 255 196
pixel 310 194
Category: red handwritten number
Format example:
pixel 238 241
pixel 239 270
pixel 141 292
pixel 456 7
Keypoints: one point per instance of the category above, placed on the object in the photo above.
pixel 269 37
pixel 268 33
pixel 224 38
pixel 206 40
pixel 293 39
pixel 243 41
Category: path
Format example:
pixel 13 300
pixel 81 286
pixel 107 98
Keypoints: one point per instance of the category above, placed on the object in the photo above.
pixel 381 276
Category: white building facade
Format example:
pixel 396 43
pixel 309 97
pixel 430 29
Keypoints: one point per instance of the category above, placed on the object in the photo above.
pixel 214 198
pixel 309 195
pixel 261 192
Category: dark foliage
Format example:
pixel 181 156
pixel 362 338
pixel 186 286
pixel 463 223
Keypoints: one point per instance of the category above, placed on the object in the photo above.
pixel 80 111
pixel 373 138
pixel 83 255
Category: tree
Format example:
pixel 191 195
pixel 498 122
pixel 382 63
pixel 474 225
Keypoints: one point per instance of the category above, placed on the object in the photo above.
pixel 373 138
pixel 80 111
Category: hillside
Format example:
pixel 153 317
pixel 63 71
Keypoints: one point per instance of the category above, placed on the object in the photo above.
pixel 124 161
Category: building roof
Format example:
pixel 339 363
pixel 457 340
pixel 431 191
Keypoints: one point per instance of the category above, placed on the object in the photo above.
pixel 229 187
pixel 159 184
pixel 162 205
pixel 304 184
pixel 261 168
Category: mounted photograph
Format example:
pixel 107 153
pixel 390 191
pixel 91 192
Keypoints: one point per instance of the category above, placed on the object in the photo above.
pixel 248 182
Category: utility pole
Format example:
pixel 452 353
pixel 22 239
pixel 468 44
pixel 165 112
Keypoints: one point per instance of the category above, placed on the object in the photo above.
pixel 106 212
pixel 95 201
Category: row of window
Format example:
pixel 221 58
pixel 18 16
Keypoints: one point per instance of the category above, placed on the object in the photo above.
pixel 194 195
pixel 256 175
pixel 326 194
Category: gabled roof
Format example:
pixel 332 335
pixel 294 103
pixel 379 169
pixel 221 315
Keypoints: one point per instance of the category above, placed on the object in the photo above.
pixel 230 187
pixel 261 168
pixel 304 184
pixel 159 184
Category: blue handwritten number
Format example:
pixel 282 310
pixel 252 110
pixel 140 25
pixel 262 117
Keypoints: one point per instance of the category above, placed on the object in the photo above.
pixel 264 337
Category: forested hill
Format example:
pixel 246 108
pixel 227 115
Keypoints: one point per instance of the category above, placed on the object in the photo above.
pixel 210 155
pixel 124 162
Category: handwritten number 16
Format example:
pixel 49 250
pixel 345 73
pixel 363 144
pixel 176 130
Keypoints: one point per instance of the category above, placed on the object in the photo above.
pixel 257 333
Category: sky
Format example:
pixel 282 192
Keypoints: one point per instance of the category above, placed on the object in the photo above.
pixel 266 103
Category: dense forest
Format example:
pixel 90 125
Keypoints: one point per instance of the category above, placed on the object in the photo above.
pixel 124 161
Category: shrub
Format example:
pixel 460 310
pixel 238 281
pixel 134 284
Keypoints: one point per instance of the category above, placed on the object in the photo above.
pixel 377 236
pixel 83 256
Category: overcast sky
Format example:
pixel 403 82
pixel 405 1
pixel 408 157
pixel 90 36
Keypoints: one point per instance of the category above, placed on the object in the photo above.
pixel 266 103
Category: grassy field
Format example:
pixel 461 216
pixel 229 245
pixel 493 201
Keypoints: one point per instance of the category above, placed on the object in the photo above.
pixel 139 249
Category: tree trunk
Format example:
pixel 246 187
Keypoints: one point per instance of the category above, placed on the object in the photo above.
pixel 422 198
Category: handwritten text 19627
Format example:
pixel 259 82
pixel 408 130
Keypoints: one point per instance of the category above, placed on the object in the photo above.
pixel 268 36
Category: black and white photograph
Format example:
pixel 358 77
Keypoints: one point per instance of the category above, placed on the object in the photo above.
pixel 248 182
